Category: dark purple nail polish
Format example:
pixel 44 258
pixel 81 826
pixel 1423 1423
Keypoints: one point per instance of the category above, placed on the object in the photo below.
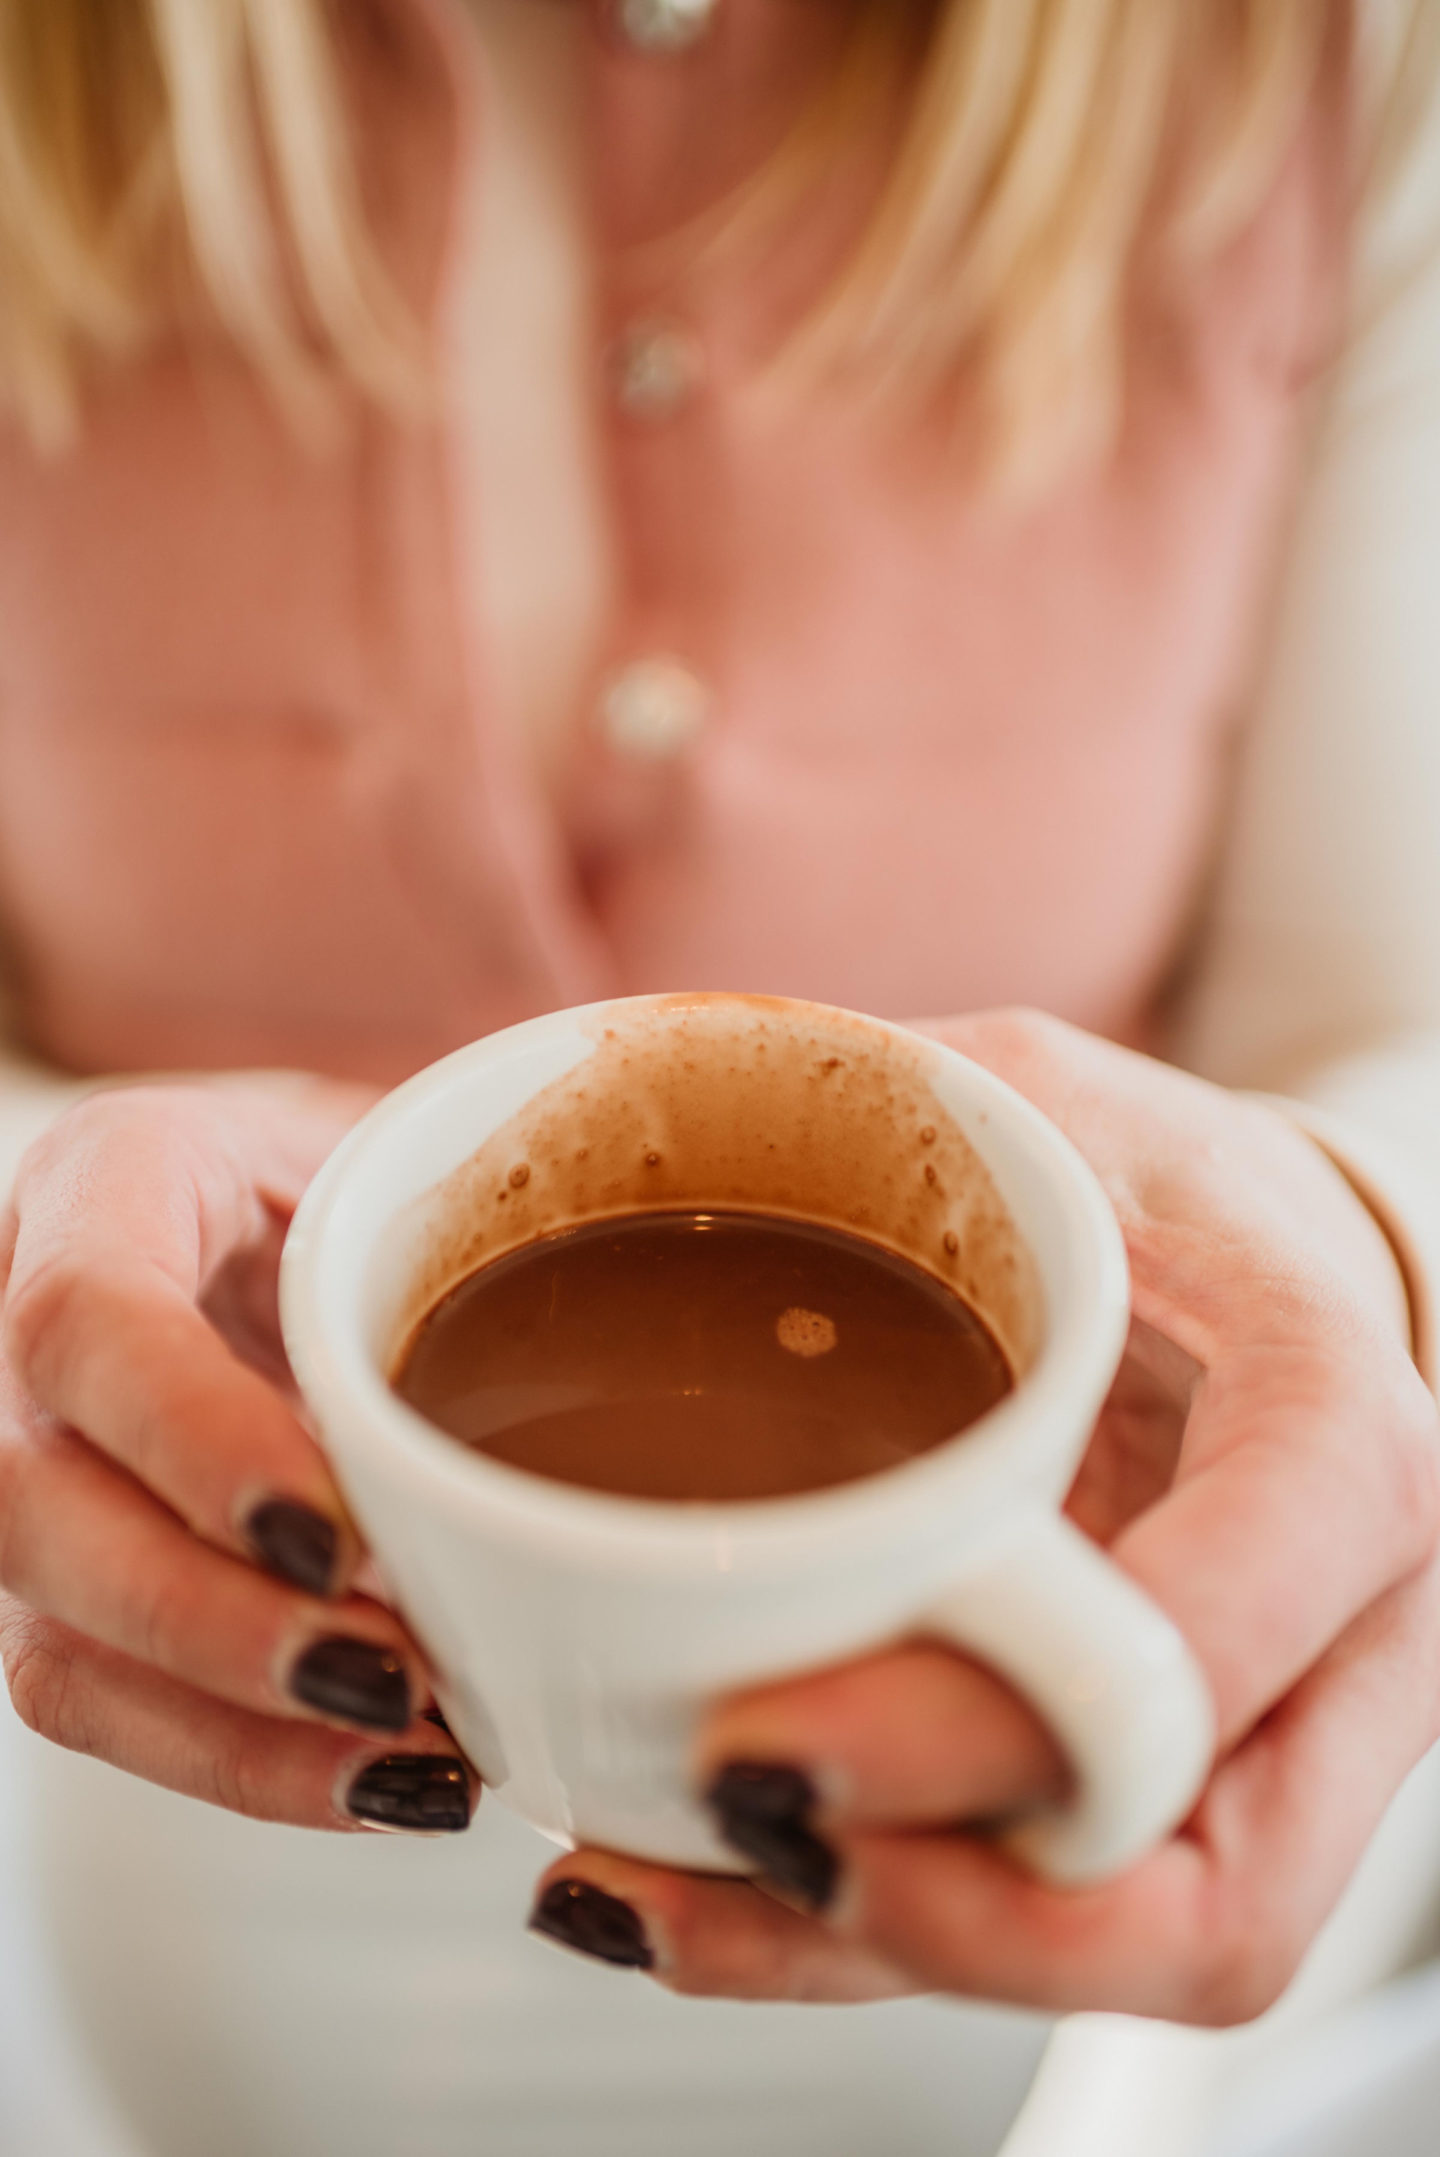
pixel 413 1793
pixel 355 1680
pixel 764 1811
pixel 585 1918
pixel 295 1543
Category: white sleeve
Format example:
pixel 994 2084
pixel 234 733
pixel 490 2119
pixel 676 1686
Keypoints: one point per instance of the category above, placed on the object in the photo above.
pixel 31 1096
pixel 1317 972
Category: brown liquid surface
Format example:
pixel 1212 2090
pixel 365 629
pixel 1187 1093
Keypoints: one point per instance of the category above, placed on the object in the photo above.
pixel 703 1356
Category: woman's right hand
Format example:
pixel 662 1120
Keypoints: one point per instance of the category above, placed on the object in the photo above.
pixel 177 1572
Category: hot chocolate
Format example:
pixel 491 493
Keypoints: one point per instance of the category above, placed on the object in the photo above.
pixel 702 1356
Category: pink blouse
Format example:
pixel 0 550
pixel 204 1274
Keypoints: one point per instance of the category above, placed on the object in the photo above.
pixel 852 732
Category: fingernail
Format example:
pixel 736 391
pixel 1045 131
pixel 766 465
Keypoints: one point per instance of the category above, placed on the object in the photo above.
pixel 356 1680
pixel 412 1793
pixel 763 1811
pixel 295 1542
pixel 594 1923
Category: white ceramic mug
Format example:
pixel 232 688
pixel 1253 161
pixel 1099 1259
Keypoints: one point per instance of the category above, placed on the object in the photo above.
pixel 577 1637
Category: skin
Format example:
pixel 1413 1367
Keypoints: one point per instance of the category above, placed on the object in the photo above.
pixel 143 1412
pixel 1267 1469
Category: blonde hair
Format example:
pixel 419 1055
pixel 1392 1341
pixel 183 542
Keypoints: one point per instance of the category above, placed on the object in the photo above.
pixel 153 146
pixel 150 148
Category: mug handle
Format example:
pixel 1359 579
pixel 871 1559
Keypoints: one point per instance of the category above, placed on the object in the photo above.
pixel 1112 1677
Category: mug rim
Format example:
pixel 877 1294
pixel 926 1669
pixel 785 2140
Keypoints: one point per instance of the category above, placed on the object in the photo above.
pixel 1080 1348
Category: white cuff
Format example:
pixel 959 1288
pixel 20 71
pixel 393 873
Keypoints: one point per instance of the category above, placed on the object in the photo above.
pixel 30 1099
pixel 1385 1179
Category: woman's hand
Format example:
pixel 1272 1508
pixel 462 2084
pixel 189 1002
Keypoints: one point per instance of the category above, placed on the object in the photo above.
pixel 1267 1468
pixel 176 1565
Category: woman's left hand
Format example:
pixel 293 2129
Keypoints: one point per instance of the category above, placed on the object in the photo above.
pixel 1267 1468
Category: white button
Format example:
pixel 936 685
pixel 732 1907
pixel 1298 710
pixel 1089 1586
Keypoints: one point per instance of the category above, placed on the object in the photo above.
pixel 665 25
pixel 656 367
pixel 653 709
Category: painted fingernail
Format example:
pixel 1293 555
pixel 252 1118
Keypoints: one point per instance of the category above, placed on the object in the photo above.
pixel 594 1923
pixel 295 1542
pixel 763 1811
pixel 412 1793
pixel 356 1680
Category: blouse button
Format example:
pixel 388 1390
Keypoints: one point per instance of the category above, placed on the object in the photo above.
pixel 657 366
pixel 653 710
pixel 665 25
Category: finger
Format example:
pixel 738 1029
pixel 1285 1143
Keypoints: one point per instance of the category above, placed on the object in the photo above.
pixel 87 1545
pixel 1209 1929
pixel 1326 1456
pixel 118 1233
pixel 1212 1927
pixel 1311 1433
pixel 93 1700
pixel 699 1934
pixel 922 1738
pixel 919 1736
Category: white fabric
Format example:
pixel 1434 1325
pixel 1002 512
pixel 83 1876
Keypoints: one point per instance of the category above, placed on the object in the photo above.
pixel 30 1099
pixel 251 1991
pixel 1318 972
pixel 260 1993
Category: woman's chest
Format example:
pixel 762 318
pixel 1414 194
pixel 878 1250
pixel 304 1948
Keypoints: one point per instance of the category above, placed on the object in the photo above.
pixel 640 670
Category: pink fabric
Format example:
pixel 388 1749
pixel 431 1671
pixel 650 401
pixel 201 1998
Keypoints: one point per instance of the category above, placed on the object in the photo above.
pixel 255 804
